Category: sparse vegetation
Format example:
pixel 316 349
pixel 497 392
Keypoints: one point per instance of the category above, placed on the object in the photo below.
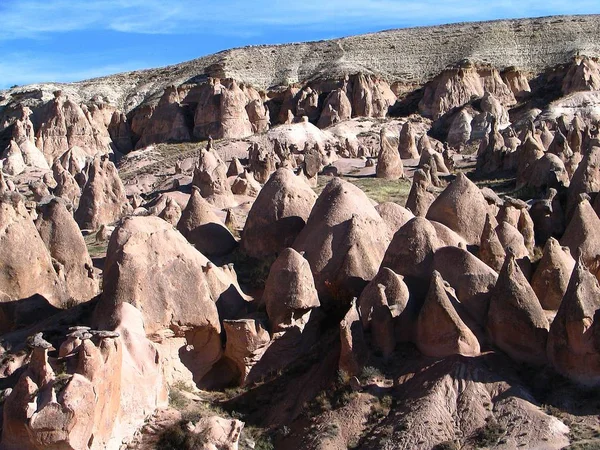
pixel 489 435
pixel 370 373
pixel 377 189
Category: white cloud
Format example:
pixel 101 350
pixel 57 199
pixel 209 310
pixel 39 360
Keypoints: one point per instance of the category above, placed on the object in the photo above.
pixel 34 18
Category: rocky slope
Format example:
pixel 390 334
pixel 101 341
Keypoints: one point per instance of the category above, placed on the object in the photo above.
pixel 409 56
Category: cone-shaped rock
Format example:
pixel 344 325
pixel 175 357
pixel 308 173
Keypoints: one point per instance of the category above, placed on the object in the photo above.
pixel 344 240
pixel 394 216
pixel 25 264
pixel 210 176
pixel 582 235
pixel 491 250
pixel 572 343
pixel 103 200
pixel 171 213
pixel 279 213
pixel 552 275
pixel 516 321
pixel 471 279
pixel 290 289
pixel 407 145
pixel 585 180
pixel 66 186
pixel 411 251
pixel 386 289
pixel 440 330
pixel 62 237
pixel 462 208
pixel 203 228
pixel 419 198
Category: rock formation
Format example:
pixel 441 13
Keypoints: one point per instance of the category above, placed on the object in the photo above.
pixel 572 343
pixel 66 245
pixel 462 208
pixel 342 214
pixel 440 331
pixel 278 215
pixel 516 322
pixel 289 290
pixel 103 200
pixel 389 164
pixel 203 228
pixel 552 275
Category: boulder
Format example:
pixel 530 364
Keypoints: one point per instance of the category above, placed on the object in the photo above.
pixel 219 433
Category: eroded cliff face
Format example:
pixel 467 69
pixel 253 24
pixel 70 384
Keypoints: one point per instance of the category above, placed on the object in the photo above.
pixel 410 57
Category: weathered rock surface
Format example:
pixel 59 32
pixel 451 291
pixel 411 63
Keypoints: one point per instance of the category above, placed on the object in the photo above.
pixel 440 332
pixel 572 343
pixel 103 200
pixel 462 208
pixel 516 322
pixel 342 241
pixel 278 215
pixel 203 229
pixel 289 290
pixel 66 245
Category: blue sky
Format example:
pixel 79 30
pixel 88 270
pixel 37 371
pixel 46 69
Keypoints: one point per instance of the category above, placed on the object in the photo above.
pixel 70 40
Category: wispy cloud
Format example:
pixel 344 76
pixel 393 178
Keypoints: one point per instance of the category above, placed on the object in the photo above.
pixel 34 18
